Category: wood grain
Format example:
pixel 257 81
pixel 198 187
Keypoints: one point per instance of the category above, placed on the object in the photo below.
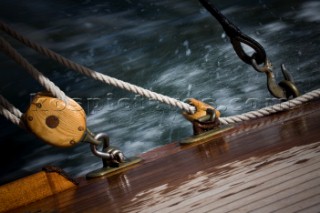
pixel 269 163
pixel 32 188
pixel 56 122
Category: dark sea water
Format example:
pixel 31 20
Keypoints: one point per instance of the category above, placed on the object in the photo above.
pixel 171 47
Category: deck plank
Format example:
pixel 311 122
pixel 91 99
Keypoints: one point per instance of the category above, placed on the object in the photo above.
pixel 313 199
pixel 222 195
pixel 300 195
pixel 311 208
pixel 261 160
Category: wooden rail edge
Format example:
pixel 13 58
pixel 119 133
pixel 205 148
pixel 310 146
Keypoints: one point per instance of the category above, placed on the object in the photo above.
pixel 24 191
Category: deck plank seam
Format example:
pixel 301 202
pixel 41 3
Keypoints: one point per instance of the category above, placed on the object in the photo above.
pixel 271 172
pixel 274 185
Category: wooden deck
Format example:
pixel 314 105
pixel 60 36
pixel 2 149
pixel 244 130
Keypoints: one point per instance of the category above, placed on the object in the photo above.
pixel 267 165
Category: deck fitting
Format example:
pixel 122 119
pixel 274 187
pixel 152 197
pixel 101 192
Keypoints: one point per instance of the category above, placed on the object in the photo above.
pixel 104 171
pixel 205 136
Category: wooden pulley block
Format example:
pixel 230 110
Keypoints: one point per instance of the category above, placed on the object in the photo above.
pixel 56 122
pixel 201 110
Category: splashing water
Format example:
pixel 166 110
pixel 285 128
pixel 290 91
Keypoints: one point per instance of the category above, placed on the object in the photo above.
pixel 174 48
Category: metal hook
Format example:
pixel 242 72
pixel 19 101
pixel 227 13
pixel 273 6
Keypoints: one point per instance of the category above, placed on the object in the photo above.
pixel 285 89
pixel 288 84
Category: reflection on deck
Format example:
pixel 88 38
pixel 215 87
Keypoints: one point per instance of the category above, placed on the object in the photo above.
pixel 270 164
pixel 286 182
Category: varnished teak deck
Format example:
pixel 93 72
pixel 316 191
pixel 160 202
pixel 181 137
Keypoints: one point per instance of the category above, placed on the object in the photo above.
pixel 271 164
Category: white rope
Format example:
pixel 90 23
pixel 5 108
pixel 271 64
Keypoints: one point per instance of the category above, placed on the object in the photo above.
pixel 96 75
pixel 272 109
pixel 44 81
pixel 10 112
pixel 144 92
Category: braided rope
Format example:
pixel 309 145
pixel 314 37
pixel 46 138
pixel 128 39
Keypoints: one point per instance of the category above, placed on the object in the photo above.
pixel 44 81
pixel 96 75
pixel 11 117
pixel 272 109
pixel 6 104
pixel 147 93
pixel 10 112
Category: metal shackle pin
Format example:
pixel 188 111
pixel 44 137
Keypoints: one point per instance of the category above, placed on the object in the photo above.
pixel 107 153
